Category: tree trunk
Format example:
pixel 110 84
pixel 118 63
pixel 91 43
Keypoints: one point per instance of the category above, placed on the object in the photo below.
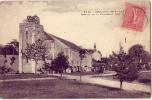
pixel 52 72
pixel 80 76
pixel 121 84
pixel 61 74
pixel 36 67
pixel 22 63
pixel 80 70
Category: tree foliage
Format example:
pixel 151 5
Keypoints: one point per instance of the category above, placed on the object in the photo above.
pixel 4 69
pixel 15 44
pixel 127 65
pixel 139 56
pixel 46 68
pixel 120 63
pixel 98 66
pixel 82 55
pixel 10 48
pixel 60 63
pixel 35 51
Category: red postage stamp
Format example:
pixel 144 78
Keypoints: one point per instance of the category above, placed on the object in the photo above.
pixel 134 16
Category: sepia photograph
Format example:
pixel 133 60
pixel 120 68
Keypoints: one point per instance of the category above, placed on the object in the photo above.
pixel 75 49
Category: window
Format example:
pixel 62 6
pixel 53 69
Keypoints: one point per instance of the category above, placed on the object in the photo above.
pixel 26 35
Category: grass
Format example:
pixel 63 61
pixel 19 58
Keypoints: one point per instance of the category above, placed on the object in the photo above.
pixel 64 88
pixel 82 73
pixel 23 76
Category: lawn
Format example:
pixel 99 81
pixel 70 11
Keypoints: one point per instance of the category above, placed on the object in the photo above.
pixel 82 73
pixel 23 76
pixel 56 88
pixel 90 73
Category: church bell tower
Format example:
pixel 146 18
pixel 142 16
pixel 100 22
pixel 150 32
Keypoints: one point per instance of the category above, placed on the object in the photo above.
pixel 29 31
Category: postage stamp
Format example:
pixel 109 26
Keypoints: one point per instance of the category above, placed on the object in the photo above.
pixel 134 16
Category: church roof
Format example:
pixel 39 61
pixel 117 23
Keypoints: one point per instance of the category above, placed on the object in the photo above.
pixel 90 50
pixel 47 36
pixel 68 43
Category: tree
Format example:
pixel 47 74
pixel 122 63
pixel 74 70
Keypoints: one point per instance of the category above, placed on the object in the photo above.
pixel 12 60
pixel 15 45
pixel 35 51
pixel 98 66
pixel 147 60
pixel 10 48
pixel 60 63
pixel 139 56
pixel 82 54
pixel 124 66
pixel 4 70
pixel 105 61
pixel 120 66
pixel 47 68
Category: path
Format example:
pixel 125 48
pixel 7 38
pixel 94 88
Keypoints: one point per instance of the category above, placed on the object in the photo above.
pixel 111 83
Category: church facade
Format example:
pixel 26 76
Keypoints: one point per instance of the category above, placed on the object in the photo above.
pixel 31 30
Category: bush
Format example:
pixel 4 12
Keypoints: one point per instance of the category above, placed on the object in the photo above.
pixel 101 70
pixel 5 70
pixel 144 77
pixel 144 80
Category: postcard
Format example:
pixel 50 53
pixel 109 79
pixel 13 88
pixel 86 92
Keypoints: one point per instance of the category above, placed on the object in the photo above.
pixel 75 49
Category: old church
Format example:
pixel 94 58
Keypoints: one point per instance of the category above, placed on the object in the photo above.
pixel 30 30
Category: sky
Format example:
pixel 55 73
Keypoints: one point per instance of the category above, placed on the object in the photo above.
pixel 64 19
